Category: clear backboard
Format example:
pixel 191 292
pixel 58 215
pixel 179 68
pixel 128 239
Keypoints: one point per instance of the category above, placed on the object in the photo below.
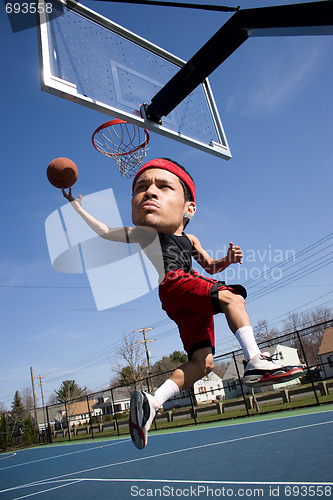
pixel 92 61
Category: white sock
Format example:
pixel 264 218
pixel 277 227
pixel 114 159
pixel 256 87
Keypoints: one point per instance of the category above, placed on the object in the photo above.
pixel 168 389
pixel 245 337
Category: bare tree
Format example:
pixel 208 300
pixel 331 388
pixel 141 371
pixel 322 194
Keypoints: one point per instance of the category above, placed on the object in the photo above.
pixel 52 400
pixel 263 333
pixel 135 368
pixel 310 327
pixel 27 400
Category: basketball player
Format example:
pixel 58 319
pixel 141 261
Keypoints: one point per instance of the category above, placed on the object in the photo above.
pixel 164 197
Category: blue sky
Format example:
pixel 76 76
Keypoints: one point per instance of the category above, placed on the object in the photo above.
pixel 273 198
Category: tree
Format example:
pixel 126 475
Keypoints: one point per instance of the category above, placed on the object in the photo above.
pixel 69 390
pixel 27 400
pixel 135 368
pixel 52 400
pixel 17 415
pixel 310 327
pixel 28 431
pixel 168 364
pixel 263 333
pixel 5 436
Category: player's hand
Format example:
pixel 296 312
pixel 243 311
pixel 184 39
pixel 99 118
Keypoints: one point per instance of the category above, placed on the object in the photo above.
pixel 70 197
pixel 234 254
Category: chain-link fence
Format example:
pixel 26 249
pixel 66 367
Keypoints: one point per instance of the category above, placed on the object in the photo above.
pixel 215 397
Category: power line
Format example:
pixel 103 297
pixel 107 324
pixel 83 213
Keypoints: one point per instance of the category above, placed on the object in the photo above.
pixel 288 279
pixel 314 245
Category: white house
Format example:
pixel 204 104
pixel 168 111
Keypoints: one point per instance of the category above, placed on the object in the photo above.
pixel 207 389
pixel 284 354
pixel 108 407
pixel 325 354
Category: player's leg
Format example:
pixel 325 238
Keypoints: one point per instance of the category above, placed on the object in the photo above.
pixel 200 364
pixel 144 406
pixel 260 368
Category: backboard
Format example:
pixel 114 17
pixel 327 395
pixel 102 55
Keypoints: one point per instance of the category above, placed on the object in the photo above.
pixel 93 61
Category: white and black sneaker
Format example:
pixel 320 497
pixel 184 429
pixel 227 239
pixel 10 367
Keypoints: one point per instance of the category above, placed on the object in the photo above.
pixel 262 370
pixel 143 410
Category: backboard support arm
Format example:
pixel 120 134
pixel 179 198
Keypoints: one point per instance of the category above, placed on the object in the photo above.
pixel 314 18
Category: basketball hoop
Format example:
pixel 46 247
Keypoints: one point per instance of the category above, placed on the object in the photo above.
pixel 125 143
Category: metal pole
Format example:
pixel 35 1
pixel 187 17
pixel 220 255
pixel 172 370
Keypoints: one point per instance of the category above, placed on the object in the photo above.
pixel 307 366
pixel 91 425
pixel 114 412
pixel 48 426
pixel 68 428
pixel 191 392
pixel 240 383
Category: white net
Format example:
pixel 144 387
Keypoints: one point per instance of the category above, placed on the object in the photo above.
pixel 125 143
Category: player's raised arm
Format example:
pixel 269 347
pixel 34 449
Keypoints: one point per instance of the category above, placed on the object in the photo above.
pixel 213 266
pixel 120 234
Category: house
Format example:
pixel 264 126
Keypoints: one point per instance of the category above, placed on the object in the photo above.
pixel 78 412
pixel 325 354
pixel 120 402
pixel 285 354
pixel 209 388
pixel 50 415
pixel 206 390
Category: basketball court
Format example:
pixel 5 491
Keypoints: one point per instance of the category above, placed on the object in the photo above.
pixel 205 461
pixel 154 91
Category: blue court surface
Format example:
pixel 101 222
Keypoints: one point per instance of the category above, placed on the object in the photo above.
pixel 276 457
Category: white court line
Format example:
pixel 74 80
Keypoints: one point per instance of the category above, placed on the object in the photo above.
pixel 63 455
pixel 8 456
pixel 187 481
pixel 49 489
pixel 174 452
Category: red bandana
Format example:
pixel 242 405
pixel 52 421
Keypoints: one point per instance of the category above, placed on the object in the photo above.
pixel 171 167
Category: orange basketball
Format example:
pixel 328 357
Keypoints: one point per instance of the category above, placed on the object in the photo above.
pixel 62 173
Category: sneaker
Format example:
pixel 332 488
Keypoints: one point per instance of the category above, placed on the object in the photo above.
pixel 143 410
pixel 263 370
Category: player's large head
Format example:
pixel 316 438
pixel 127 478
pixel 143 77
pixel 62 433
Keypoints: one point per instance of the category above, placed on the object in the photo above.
pixel 149 181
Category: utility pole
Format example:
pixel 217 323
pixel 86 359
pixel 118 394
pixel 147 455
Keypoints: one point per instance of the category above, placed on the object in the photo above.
pixel 41 390
pixel 145 342
pixel 34 396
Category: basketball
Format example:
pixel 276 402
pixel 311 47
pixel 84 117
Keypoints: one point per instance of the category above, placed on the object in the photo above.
pixel 62 173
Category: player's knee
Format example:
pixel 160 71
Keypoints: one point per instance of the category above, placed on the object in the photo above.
pixel 228 298
pixel 204 363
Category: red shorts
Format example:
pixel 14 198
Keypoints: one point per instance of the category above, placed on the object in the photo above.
pixel 191 300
